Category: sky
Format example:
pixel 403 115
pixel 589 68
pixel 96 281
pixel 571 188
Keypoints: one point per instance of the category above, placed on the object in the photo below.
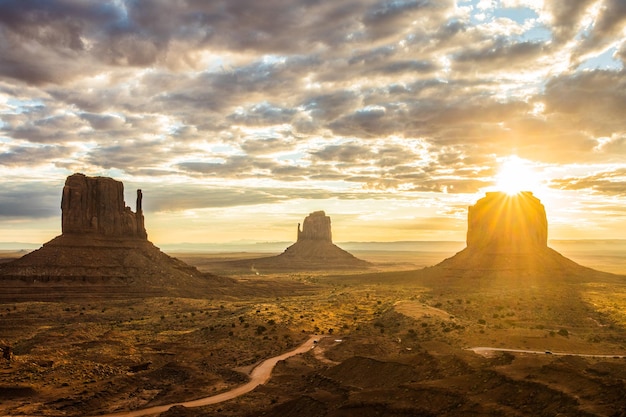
pixel 237 118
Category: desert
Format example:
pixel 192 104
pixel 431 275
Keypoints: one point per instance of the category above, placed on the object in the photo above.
pixel 312 208
pixel 99 322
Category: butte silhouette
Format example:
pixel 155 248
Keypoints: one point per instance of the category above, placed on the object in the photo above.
pixel 507 236
pixel 103 248
pixel 313 250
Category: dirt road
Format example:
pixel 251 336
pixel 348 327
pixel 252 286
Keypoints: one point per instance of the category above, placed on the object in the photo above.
pixel 260 375
pixel 486 350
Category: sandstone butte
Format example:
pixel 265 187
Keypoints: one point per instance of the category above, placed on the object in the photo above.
pixel 502 223
pixel 313 250
pixel 507 236
pixel 105 244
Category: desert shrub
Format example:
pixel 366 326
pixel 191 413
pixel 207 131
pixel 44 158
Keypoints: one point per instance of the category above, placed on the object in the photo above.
pixel 482 321
pixel 563 332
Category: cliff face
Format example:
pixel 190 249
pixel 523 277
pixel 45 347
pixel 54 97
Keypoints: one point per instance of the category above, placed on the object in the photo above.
pixel 502 223
pixel 103 244
pixel 95 205
pixel 316 226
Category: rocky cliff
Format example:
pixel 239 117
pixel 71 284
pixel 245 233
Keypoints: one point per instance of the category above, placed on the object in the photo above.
pixel 104 245
pixel 96 205
pixel 500 222
pixel 316 226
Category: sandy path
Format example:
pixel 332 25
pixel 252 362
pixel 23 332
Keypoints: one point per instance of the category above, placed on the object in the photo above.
pixel 260 375
pixel 487 350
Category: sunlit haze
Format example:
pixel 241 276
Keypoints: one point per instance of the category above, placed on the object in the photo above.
pixel 516 175
pixel 237 119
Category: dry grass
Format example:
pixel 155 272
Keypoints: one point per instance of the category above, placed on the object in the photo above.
pixel 76 357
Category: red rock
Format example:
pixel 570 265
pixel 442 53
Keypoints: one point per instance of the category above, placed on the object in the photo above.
pixel 96 205
pixel 316 226
pixel 500 222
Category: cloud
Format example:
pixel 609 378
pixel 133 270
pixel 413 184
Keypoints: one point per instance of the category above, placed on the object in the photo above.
pixel 608 182
pixel 194 197
pixel 608 25
pixel 566 16
pixel 592 101
pixel 33 156
pixel 345 98
pixel 37 202
pixel 103 121
pixel 350 152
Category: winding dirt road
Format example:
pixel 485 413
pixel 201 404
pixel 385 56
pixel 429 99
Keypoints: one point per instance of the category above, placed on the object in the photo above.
pixel 260 375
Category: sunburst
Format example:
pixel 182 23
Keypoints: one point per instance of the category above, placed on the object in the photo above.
pixel 516 175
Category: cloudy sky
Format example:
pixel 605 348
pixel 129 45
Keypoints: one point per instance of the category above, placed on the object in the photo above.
pixel 237 118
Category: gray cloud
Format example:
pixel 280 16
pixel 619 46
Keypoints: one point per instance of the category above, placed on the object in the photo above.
pixel 159 199
pixel 37 201
pixel 567 15
pixel 339 90
pixel 20 156
pixel 609 25
pixel 593 101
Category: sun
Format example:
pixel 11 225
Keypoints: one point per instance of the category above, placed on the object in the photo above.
pixel 516 175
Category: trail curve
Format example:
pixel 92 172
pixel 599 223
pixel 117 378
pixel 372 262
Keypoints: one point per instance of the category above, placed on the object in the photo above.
pixel 259 375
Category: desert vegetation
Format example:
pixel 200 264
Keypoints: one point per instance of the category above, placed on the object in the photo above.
pixel 389 342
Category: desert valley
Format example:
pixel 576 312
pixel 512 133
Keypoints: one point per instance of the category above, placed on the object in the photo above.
pixel 99 321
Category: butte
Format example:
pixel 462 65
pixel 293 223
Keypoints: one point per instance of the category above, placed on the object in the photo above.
pixel 313 250
pixel 507 242
pixel 103 250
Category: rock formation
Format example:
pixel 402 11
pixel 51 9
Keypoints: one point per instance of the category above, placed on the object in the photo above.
pixel 96 205
pixel 507 237
pixel 313 250
pixel 104 244
pixel 500 222
pixel 316 226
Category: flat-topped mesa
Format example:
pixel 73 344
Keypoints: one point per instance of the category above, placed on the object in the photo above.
pixel 316 226
pixel 500 222
pixel 95 205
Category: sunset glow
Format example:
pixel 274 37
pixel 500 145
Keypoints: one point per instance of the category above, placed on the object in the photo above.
pixel 516 175
pixel 392 116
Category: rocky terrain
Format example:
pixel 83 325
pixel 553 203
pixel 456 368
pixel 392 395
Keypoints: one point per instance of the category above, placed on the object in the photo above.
pixel 390 343
pixel 103 250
